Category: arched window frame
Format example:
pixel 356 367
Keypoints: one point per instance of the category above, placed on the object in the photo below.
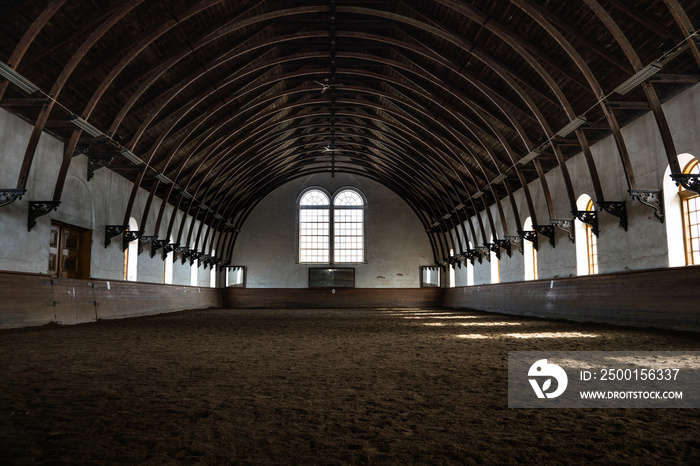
pixel 529 254
pixel 591 244
pixel 327 217
pixel 168 266
pixel 690 211
pixel 194 270
pixel 131 254
pixel 495 265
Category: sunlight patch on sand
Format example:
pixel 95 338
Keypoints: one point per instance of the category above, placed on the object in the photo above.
pixel 552 335
pixel 470 324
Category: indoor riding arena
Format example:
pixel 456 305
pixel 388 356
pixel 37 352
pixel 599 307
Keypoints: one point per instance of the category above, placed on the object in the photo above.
pixel 349 232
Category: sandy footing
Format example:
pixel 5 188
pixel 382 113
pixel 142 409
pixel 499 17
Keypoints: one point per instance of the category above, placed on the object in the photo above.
pixel 379 386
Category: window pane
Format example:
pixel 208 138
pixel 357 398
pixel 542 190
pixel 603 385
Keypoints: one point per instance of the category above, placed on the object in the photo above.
pixel 348 198
pixel 348 243
pixel 314 197
pixel 314 235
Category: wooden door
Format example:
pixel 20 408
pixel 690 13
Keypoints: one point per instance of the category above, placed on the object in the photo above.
pixel 69 252
pixel 54 249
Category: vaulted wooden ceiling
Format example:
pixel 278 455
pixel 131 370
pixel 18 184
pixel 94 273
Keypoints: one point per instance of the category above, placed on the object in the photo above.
pixel 223 101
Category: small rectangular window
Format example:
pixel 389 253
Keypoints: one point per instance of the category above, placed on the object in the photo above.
pixel 430 277
pixel 235 276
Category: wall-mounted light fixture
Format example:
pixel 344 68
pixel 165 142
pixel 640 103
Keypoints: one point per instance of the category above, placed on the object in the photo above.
pixel 572 126
pixel 17 79
pixel 639 77
pixel 85 126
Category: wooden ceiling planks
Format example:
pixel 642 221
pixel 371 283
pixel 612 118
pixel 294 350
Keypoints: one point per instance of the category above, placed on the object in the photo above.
pixel 434 100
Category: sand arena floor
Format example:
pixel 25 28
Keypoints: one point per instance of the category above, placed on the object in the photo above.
pixel 315 387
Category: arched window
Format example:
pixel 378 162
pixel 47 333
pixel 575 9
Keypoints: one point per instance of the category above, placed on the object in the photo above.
pixel 495 266
pixel 314 227
pixel 673 212
pixel 341 242
pixel 591 245
pixel 168 266
pixel 212 274
pixel 131 254
pixel 529 254
pixel 690 207
pixel 194 271
pixel 470 269
pixel 586 240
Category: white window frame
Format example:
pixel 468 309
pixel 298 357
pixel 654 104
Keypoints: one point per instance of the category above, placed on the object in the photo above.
pixel 331 222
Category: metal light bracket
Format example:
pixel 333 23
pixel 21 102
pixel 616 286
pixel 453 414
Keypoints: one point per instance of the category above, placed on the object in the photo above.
pixel 8 196
pixel 516 241
pixel 689 181
pixel 96 162
pixel 168 248
pixel 531 236
pixel 143 240
pixel 653 198
pixel 618 209
pixel 157 244
pixel 484 252
pixel 565 224
pixel 589 217
pixel 505 244
pixel 130 236
pixel 39 208
pixel 546 230
pixel 111 231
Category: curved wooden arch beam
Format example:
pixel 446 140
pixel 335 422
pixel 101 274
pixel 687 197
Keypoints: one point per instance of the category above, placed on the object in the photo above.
pixel 648 88
pixel 200 99
pixel 136 48
pixel 261 185
pixel 518 129
pixel 437 169
pixel 359 89
pixel 507 76
pixel 533 11
pixel 686 26
pixel 68 69
pixel 395 188
pixel 28 38
pixel 236 23
pixel 259 129
pixel 110 130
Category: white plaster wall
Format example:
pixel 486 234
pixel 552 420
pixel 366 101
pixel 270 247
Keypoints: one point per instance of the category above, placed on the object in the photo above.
pixel 644 245
pixel 396 245
pixel 89 205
